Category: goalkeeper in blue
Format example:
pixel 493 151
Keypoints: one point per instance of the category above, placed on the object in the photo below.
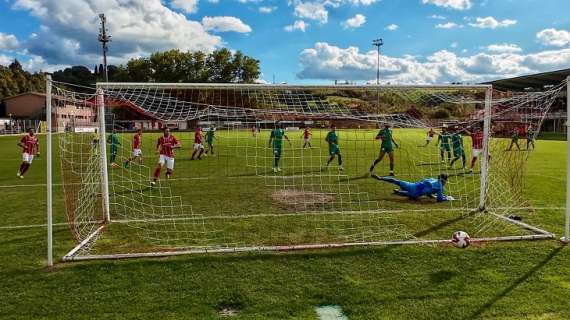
pixel 429 187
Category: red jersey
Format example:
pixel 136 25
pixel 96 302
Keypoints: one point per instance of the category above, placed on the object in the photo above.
pixel 477 138
pixel 431 133
pixel 166 145
pixel 137 141
pixel 30 144
pixel 306 134
pixel 198 137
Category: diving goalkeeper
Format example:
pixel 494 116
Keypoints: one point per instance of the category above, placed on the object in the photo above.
pixel 430 187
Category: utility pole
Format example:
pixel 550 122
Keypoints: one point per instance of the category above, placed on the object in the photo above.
pixel 104 39
pixel 378 43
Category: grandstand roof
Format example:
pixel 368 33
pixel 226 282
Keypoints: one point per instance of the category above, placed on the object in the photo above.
pixel 534 82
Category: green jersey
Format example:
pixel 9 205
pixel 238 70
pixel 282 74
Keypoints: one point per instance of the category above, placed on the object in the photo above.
pixel 386 136
pixel 444 140
pixel 277 136
pixel 457 141
pixel 210 136
pixel 113 139
pixel 332 139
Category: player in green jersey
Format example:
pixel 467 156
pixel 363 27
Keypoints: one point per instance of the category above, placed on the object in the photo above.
pixel 444 143
pixel 514 139
pixel 386 147
pixel 334 149
pixel 210 137
pixel 276 142
pixel 458 150
pixel 113 140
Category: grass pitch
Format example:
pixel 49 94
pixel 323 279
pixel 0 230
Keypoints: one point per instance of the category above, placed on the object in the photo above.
pixel 499 280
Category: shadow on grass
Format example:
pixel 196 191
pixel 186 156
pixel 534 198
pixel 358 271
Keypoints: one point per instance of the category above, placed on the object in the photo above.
pixel 518 282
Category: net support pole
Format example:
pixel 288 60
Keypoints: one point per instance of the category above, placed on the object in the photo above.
pixel 103 147
pixel 486 141
pixel 49 185
pixel 566 238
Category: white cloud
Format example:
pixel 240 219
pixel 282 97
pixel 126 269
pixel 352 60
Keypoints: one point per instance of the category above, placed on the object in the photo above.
pixel 297 25
pixel 5 60
pixel 225 24
pixel 265 9
pixel 325 61
pixel 188 6
pixel 448 25
pixel 454 45
pixel 392 27
pixel 504 48
pixel 553 37
pixel 492 23
pixel 437 17
pixel 313 11
pixel 452 4
pixel 355 22
pixel 8 41
pixel 69 27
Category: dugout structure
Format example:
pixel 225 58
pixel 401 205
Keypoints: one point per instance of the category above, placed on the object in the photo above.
pixel 233 201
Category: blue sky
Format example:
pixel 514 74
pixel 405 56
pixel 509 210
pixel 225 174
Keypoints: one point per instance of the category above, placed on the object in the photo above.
pixel 304 41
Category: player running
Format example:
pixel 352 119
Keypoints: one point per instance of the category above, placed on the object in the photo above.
pixel 429 137
pixel 30 147
pixel 307 138
pixel 165 148
pixel 514 139
pixel 198 146
pixel 136 149
pixel 430 187
pixel 276 142
pixel 113 140
pixel 386 147
pixel 530 137
pixel 477 146
pixel 334 149
pixel 210 137
pixel 444 143
pixel 458 150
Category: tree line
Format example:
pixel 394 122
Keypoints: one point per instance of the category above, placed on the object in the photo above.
pixel 219 66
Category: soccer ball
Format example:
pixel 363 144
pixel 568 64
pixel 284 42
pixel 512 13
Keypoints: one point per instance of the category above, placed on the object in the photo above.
pixel 460 239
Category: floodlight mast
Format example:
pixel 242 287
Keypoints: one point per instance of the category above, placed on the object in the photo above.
pixel 378 43
pixel 104 38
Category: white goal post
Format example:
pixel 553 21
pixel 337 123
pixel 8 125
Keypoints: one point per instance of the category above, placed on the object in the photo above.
pixel 104 199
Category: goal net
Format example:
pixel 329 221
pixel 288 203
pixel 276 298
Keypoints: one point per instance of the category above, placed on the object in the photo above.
pixel 277 167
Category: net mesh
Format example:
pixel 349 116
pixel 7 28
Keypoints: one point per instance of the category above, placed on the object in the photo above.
pixel 239 195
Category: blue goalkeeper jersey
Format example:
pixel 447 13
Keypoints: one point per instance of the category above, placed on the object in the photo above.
pixel 427 187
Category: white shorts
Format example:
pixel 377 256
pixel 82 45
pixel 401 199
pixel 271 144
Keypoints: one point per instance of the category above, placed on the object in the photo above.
pixel 307 140
pixel 169 161
pixel 198 146
pixel 137 152
pixel 429 138
pixel 26 157
pixel 476 152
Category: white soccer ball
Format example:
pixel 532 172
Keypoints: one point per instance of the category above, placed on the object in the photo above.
pixel 460 239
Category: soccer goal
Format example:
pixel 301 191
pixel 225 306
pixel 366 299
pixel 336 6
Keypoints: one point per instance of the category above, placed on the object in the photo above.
pixel 283 167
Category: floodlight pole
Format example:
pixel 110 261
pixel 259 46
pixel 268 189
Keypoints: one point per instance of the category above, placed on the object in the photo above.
pixel 378 43
pixel 566 238
pixel 49 174
pixel 104 39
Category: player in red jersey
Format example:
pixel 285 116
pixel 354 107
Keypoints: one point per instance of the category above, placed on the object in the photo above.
pixel 254 131
pixel 477 145
pixel 30 148
pixel 198 146
pixel 136 145
pixel 165 148
pixel 307 138
pixel 429 137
